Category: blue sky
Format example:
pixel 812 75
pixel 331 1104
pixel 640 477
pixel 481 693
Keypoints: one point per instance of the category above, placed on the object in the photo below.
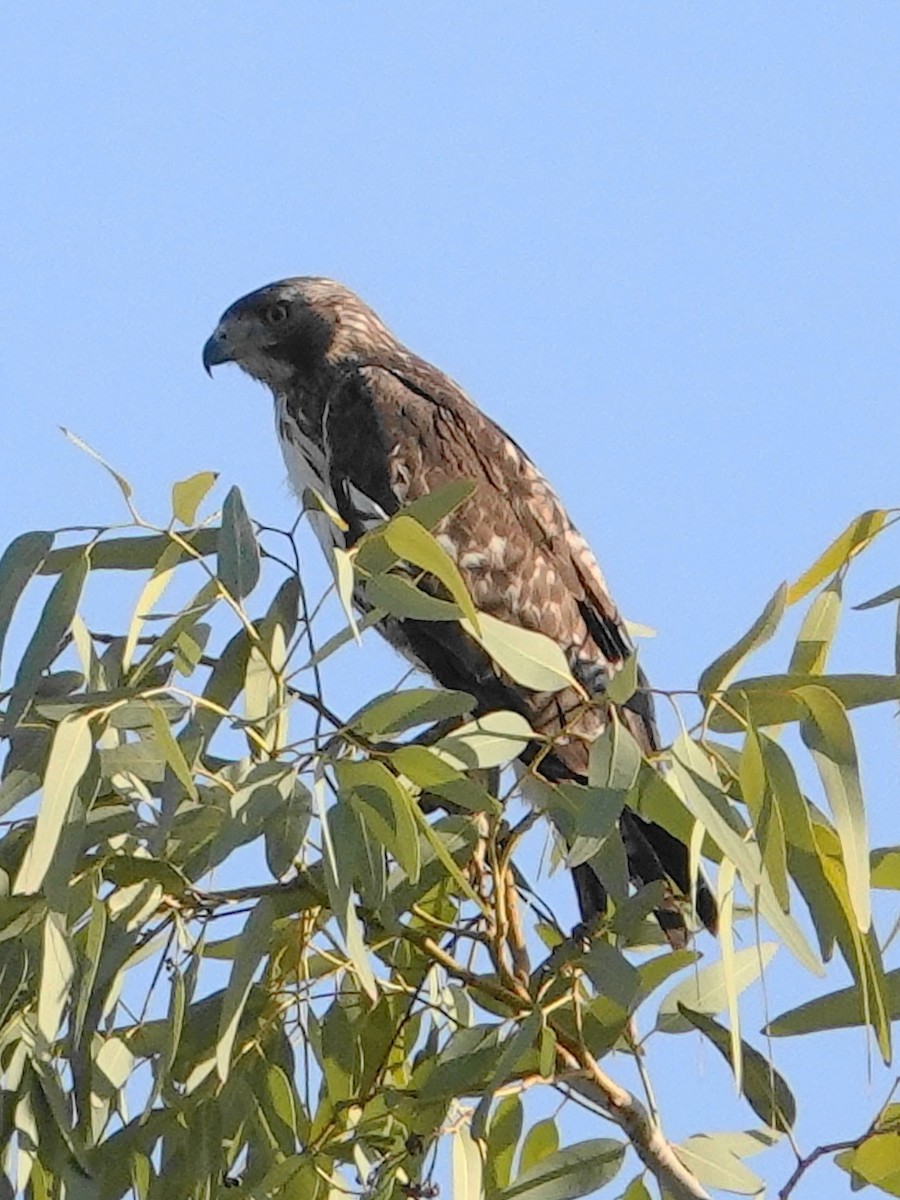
pixel 657 242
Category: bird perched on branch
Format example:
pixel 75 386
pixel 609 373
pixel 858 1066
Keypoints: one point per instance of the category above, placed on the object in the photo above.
pixel 370 426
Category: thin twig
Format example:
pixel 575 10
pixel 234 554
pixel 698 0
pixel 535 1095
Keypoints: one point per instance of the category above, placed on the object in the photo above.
pixel 803 1164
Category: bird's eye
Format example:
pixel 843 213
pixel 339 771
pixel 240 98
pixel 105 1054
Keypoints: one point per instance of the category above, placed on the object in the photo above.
pixel 276 314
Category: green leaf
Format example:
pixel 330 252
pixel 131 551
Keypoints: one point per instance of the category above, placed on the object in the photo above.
pixel 282 1102
pixel 704 798
pixel 400 597
pixel 222 688
pixel 773 699
pixel 762 804
pixel 765 1090
pixel 706 990
pixel 89 966
pixel 541 1141
pixel 489 741
pixel 411 541
pixel 114 1063
pixel 357 950
pixel 855 538
pixel 829 738
pixel 187 495
pixel 716 1166
pixel 817 633
pixel 623 683
pixel 252 949
pixel 615 759
pixel 285 829
pixel 718 674
pixel 172 752
pixel 885 866
pixel 428 771
pixel 343 636
pixel 23 771
pixel 464 1065
pixel 569 1173
pixel 430 509
pixel 205 599
pixel 655 971
pixel 528 658
pixel 805 858
pixel 386 808
pixel 57 973
pixel 130 553
pixel 395 711
pixel 837 1010
pixel 518 1046
pixel 877 1161
pixel 467 1165
pixel 174 1024
pixel 70 754
pixel 159 580
pixel 238 555
pixel 585 816
pixel 123 484
pixel 47 639
pixel 611 973
pixel 143 758
pixel 877 601
pixel 20 560
pixel 636 1190
pixel 343 576
pixel 503 1136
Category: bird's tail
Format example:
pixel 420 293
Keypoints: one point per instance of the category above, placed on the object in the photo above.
pixel 653 854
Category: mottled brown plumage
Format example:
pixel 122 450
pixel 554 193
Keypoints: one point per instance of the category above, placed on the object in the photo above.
pixel 371 426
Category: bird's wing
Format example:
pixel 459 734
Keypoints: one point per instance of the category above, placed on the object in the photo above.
pixel 395 434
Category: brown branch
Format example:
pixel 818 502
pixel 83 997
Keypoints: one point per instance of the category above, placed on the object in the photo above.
pixel 646 1137
pixel 803 1164
pixel 515 938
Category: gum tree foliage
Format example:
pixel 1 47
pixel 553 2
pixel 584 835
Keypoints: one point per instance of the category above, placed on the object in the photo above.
pixel 250 945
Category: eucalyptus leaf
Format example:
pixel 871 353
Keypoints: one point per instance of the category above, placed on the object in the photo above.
pixel 718 674
pixel 773 699
pixel 188 494
pixel 70 754
pixel 574 1171
pixel 829 738
pixel 400 597
pixel 837 1010
pixel 20 560
pixel 131 553
pixel 488 741
pixel 528 658
pixel 411 541
pixel 238 553
pixel 252 950
pixel 854 538
pixel 706 990
pixel 48 638
pixel 394 712
pixel 717 1166
pixel 764 1088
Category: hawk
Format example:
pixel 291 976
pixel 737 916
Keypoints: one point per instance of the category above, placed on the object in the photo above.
pixel 370 426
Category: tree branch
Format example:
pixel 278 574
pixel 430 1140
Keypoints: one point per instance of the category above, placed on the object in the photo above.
pixel 650 1144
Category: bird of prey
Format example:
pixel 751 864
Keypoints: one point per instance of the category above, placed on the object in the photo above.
pixel 370 426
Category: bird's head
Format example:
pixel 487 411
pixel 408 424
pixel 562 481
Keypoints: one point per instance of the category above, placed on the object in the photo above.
pixel 293 329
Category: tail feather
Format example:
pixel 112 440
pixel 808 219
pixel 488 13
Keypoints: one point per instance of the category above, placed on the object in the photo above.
pixel 653 854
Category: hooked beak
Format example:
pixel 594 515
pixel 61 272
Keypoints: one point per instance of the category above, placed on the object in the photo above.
pixel 216 351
